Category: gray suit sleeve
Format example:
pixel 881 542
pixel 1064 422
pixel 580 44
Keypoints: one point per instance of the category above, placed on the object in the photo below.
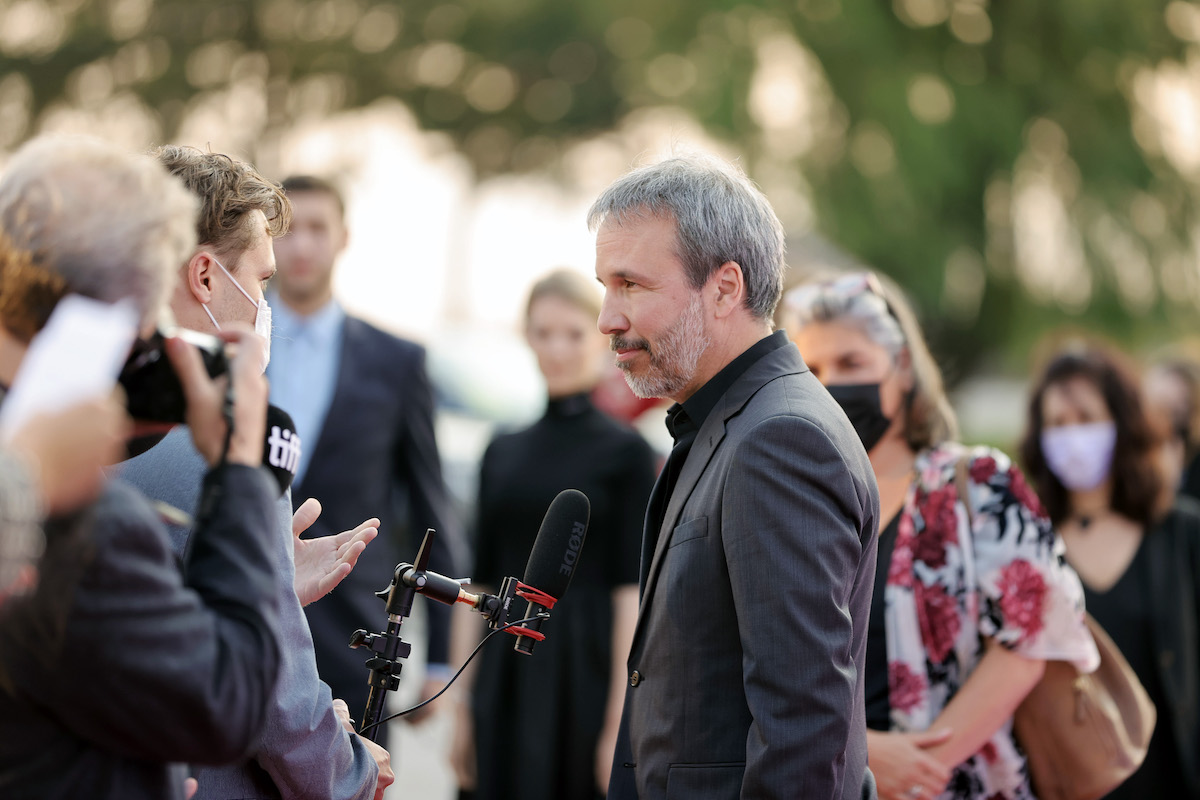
pixel 790 521
pixel 304 748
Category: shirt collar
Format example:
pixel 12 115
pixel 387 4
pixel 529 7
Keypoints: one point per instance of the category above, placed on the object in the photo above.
pixel 322 325
pixel 695 410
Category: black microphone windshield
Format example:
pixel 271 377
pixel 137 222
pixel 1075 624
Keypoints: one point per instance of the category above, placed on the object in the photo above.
pixel 281 451
pixel 559 541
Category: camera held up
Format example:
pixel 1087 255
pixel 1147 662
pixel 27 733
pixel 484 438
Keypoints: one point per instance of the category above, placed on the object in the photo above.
pixel 153 389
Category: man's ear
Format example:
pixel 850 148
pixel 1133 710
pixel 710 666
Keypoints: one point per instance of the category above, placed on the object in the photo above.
pixel 199 274
pixel 729 288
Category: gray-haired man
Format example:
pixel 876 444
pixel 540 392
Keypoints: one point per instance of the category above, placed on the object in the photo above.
pixel 745 673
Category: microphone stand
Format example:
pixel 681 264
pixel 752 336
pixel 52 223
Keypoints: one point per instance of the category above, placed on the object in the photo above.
pixel 409 580
pixel 388 648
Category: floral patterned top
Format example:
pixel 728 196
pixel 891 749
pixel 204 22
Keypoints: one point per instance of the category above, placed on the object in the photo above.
pixel 955 578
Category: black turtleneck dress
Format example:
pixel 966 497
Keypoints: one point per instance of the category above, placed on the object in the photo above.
pixel 537 718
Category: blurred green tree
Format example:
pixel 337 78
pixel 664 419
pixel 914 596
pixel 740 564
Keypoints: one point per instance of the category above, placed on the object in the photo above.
pixel 1005 161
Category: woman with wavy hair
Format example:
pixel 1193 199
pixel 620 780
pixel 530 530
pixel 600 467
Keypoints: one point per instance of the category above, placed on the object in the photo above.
pixel 1093 455
pixel 971 597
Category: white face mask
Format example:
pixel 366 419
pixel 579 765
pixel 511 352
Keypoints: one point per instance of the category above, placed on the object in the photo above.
pixel 1080 456
pixel 262 317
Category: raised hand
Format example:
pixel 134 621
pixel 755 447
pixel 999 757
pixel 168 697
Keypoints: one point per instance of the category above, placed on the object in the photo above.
pixel 324 562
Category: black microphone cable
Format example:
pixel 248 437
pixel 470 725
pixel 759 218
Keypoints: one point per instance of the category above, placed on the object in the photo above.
pixel 456 675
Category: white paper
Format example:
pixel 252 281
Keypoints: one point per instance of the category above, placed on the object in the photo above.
pixel 77 356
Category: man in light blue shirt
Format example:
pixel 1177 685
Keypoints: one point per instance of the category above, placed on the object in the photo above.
pixel 303 369
pixel 363 407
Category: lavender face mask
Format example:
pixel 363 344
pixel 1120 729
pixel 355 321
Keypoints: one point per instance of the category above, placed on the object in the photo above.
pixel 1080 456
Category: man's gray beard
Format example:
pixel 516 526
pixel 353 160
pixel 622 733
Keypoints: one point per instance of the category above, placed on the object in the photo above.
pixel 673 360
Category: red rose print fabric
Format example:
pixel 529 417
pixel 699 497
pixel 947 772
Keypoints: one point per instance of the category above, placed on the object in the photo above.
pixel 956 579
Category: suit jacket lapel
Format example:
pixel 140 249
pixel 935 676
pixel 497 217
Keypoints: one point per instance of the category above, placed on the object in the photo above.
pixel 649 537
pixel 1167 572
pixel 784 361
pixel 707 439
pixel 652 537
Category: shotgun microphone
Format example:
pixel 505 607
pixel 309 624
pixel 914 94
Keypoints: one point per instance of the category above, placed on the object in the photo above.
pixel 552 562
pixel 548 572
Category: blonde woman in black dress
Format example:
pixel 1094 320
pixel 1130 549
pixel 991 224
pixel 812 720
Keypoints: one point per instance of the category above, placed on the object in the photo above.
pixel 544 727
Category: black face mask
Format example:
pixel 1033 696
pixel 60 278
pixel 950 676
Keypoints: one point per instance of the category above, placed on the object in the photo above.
pixel 861 403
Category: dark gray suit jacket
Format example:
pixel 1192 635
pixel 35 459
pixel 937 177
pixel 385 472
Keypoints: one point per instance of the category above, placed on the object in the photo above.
pixel 747 660
pixel 117 664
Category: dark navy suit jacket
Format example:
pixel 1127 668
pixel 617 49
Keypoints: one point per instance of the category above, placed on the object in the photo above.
pixel 376 457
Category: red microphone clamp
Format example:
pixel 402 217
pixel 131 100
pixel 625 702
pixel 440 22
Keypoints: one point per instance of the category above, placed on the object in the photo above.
pixel 537 596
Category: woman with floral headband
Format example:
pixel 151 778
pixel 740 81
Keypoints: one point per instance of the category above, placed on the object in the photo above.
pixel 971 594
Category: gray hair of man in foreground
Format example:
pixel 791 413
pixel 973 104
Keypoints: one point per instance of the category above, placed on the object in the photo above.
pixel 112 224
pixel 719 214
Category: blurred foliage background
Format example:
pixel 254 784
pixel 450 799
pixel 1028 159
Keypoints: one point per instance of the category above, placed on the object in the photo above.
pixel 1013 164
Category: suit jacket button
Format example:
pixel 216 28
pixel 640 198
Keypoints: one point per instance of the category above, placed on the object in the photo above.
pixel 635 678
